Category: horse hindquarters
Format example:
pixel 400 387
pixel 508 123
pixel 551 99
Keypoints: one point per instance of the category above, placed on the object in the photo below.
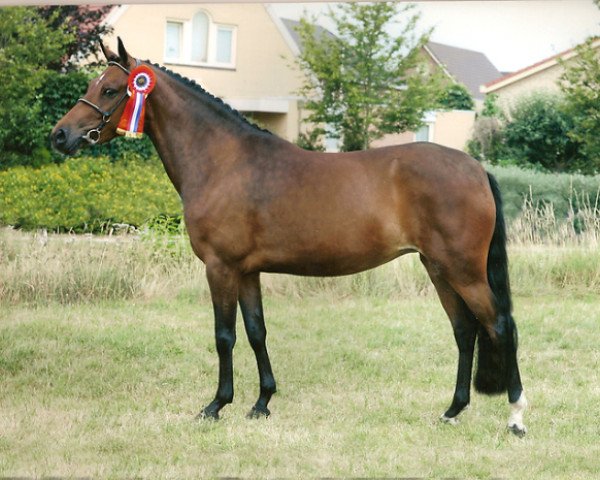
pixel 472 281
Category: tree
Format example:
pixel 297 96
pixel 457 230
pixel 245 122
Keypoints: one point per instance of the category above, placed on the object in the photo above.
pixel 537 134
pixel 28 44
pixel 456 97
pixel 363 82
pixel 84 23
pixel 580 84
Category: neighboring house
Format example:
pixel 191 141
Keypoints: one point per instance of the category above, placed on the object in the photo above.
pixel 240 53
pixel 451 128
pixel 541 76
pixel 468 67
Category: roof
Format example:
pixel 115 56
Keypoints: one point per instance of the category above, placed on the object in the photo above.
pixel 292 27
pixel 531 69
pixel 468 67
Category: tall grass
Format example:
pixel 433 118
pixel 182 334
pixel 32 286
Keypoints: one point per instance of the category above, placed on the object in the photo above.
pixel 41 268
pixel 546 255
pixel 539 224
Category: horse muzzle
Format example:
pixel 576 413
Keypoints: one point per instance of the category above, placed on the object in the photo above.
pixel 65 140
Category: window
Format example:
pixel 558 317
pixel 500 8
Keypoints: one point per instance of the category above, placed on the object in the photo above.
pixel 224 44
pixel 426 132
pixel 200 26
pixel 200 41
pixel 422 134
pixel 173 40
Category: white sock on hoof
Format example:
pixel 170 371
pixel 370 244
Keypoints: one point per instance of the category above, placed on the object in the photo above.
pixel 515 421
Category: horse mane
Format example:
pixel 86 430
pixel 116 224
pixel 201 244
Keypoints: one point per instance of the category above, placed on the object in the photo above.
pixel 215 101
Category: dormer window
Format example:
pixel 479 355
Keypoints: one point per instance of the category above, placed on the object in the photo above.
pixel 200 42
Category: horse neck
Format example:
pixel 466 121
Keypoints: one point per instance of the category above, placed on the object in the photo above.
pixel 193 139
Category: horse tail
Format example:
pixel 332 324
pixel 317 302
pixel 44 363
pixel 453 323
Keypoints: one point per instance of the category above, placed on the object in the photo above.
pixel 493 354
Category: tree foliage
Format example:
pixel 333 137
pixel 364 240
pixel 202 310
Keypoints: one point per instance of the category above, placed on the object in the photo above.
pixel 580 84
pixel 28 43
pixel 364 82
pixel 84 23
pixel 538 134
pixel 487 142
pixel 456 97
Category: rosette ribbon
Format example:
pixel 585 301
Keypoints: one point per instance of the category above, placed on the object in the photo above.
pixel 140 83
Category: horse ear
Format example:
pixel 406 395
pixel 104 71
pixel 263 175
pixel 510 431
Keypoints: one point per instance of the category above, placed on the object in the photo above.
pixel 108 53
pixel 124 57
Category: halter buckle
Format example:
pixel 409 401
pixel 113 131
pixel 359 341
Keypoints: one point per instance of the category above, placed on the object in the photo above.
pixel 92 136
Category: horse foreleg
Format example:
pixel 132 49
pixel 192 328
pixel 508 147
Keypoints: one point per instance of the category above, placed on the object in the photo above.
pixel 224 284
pixel 251 304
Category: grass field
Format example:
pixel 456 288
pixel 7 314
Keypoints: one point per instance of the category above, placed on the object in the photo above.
pixel 106 383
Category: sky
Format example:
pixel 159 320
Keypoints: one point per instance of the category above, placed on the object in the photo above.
pixel 513 34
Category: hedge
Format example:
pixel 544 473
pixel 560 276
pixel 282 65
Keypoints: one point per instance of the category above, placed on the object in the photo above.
pixel 559 189
pixel 89 194
pixel 86 195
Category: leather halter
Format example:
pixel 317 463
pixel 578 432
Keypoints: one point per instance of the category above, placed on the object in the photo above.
pixel 93 135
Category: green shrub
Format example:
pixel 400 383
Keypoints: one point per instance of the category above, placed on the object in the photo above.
pixel 487 142
pixel 537 134
pixel 86 195
pixel 566 193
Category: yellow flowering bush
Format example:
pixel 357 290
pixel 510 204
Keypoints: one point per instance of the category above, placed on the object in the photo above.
pixel 86 195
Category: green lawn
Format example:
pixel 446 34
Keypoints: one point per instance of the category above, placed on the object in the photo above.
pixel 111 390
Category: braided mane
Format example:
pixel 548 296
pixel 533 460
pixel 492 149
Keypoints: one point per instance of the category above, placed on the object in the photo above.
pixel 215 101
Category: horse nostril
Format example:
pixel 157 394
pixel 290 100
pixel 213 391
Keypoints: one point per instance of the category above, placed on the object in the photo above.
pixel 60 137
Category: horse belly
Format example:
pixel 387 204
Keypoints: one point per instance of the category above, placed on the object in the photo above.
pixel 340 250
pixel 331 267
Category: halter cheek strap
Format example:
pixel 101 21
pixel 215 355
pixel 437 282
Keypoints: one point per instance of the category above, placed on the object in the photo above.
pixel 93 136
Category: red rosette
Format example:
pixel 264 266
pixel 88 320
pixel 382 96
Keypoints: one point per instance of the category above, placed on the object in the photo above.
pixel 140 83
pixel 141 79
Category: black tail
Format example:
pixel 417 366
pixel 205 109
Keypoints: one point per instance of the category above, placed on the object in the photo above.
pixel 492 365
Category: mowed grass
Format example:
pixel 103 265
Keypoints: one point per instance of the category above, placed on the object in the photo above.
pixel 110 389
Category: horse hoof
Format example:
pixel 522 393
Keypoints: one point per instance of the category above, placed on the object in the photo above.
pixel 207 414
pixel 260 412
pixel 449 420
pixel 518 430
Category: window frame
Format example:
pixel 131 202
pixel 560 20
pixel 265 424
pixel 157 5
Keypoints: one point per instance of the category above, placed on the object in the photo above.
pixel 180 40
pixel 186 39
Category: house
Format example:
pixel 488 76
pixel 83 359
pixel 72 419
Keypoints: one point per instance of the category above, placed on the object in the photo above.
pixel 541 76
pixel 242 54
pixel 461 65
pixel 451 128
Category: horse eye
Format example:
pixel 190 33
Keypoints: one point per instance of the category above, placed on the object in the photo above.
pixel 109 92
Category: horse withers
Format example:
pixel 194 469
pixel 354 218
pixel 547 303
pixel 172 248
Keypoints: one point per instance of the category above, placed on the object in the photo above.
pixel 254 203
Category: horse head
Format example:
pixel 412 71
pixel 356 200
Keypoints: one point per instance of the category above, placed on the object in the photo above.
pixel 95 116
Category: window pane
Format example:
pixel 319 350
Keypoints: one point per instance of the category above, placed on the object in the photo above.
pixel 224 45
pixel 422 134
pixel 199 37
pixel 173 40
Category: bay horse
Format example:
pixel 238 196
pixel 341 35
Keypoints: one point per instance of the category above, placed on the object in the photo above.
pixel 254 202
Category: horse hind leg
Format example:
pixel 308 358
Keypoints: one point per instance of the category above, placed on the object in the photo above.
pixel 464 326
pixel 497 369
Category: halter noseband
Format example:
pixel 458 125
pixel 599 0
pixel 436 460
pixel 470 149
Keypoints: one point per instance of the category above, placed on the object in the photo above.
pixel 93 135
